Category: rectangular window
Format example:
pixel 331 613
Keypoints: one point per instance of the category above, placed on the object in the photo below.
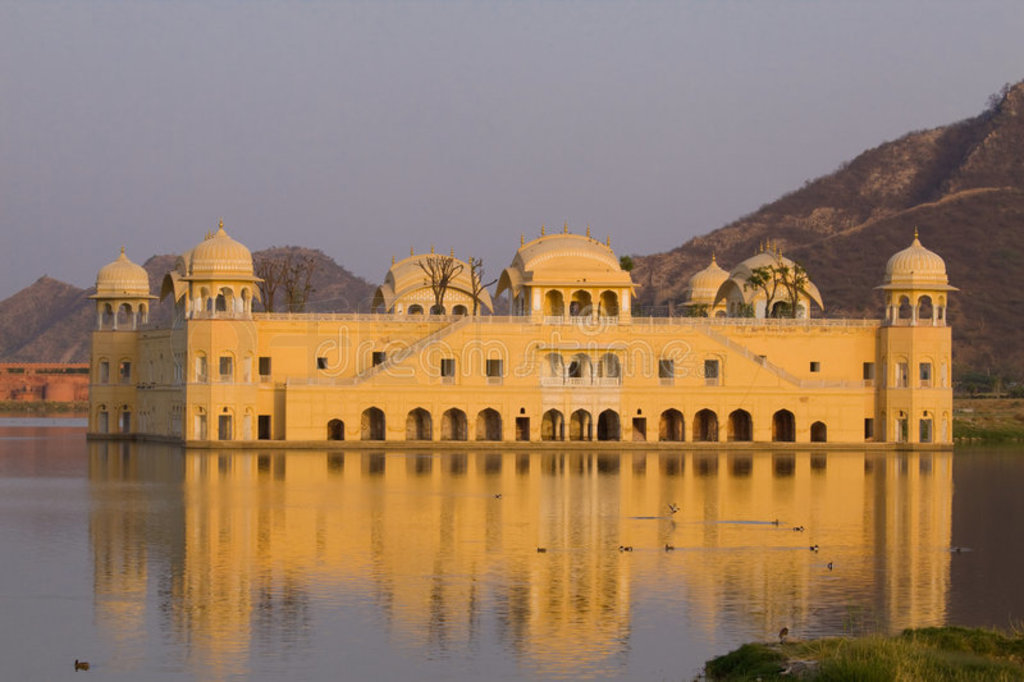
pixel 494 368
pixel 926 430
pixel 447 370
pixel 925 374
pixel 869 374
pixel 378 357
pixel 201 368
pixel 522 428
pixel 902 371
pixel 815 366
pixel 869 428
pixel 124 372
pixel 224 431
pixel 321 363
pixel 263 427
pixel 711 372
pixel 226 365
pixel 264 367
pixel 104 377
pixel 666 369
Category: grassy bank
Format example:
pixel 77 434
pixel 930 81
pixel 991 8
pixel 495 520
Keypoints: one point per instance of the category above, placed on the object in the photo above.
pixel 992 420
pixel 41 408
pixel 947 653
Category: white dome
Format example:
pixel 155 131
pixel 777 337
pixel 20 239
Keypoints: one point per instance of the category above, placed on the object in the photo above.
pixel 916 266
pixel 220 257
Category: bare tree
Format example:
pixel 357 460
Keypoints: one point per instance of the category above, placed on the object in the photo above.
pixel 298 281
pixel 288 272
pixel 476 274
pixel 440 271
pixel 269 270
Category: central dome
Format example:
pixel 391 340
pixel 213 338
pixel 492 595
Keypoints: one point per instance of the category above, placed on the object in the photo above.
pixel 221 257
pixel 122 278
pixel 704 285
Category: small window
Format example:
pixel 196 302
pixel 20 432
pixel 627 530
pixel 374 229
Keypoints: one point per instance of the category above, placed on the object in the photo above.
pixel 869 428
pixel 925 374
pixel 104 372
pixel 666 369
pixel 494 368
pixel 378 357
pixel 448 367
pixel 227 367
pixel 815 366
pixel 264 366
pixel 711 372
pixel 124 372
pixel 869 373
pixel 321 363
pixel 902 370
pixel 200 368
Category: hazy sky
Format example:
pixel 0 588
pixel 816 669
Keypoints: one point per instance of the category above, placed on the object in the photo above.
pixel 364 128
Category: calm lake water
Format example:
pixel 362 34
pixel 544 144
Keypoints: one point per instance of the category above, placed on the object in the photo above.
pixel 155 563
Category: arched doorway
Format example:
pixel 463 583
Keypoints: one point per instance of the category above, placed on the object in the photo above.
pixel 705 427
pixel 371 424
pixel 453 425
pixel 580 305
pixel 552 426
pixel 335 430
pixel 488 425
pixel 783 426
pixel 554 305
pixel 609 304
pixel 741 427
pixel 670 426
pixel 419 425
pixel 819 432
pixel 581 426
pixel 608 426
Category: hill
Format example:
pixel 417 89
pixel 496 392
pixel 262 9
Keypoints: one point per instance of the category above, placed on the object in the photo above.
pixel 50 321
pixel 962 185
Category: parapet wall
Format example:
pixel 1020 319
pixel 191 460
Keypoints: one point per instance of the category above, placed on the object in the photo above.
pixel 35 381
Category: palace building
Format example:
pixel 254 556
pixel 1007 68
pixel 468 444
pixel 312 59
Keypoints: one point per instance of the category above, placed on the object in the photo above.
pixel 568 363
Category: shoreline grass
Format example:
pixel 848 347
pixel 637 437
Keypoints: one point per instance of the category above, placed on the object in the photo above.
pixel 935 653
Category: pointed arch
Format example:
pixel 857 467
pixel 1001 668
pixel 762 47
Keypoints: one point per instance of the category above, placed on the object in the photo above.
pixel 609 426
pixel 488 425
pixel 783 427
pixel 705 426
pixel 552 425
pixel 419 425
pixel 581 425
pixel 453 424
pixel 671 426
pixel 741 427
pixel 372 424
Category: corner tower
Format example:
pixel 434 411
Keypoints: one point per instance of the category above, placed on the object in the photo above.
pixel 915 349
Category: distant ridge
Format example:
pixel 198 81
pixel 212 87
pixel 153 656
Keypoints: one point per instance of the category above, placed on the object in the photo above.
pixel 50 320
pixel 962 185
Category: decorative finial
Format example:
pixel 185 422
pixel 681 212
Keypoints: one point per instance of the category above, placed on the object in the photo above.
pixel 522 239
pixel 412 250
pixel 452 252
pixel 608 240
pixel 431 249
pixel 220 225
pixel 588 230
pixel 565 228
pixel 122 251
pixel 392 260
pixel 915 232
pixel 713 261
pixel 541 230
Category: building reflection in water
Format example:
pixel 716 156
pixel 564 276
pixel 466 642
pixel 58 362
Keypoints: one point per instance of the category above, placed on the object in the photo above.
pixel 232 551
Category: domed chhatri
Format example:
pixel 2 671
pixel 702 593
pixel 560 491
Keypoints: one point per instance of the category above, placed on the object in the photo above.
pixel 916 266
pixel 568 362
pixel 703 286
pixel 122 278
pixel 219 256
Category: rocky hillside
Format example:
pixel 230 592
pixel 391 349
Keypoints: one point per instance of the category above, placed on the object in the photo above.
pixel 50 321
pixel 962 185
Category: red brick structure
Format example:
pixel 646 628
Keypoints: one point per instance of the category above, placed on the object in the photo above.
pixel 34 381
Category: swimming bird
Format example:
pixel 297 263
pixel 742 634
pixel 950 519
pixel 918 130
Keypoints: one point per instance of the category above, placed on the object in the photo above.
pixel 813 548
pixel 829 565
pixel 541 550
pixel 625 548
pixel 783 633
pixel 497 496
pixel 81 665
pixel 668 547
pixel 798 529
pixel 775 522
pixel 673 507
